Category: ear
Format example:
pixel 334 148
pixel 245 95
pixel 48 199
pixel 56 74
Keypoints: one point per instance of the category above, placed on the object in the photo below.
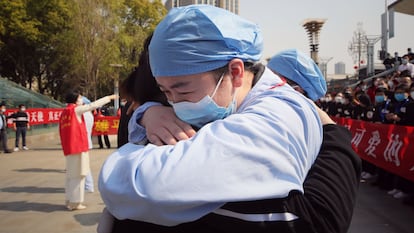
pixel 236 67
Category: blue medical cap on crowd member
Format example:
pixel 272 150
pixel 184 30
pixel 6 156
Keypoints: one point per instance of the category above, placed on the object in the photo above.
pixel 85 100
pixel 201 38
pixel 300 68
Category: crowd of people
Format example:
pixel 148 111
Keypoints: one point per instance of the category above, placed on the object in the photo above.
pixel 386 100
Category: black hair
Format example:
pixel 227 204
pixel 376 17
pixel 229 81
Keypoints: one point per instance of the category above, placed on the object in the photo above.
pixel 72 96
pixel 403 87
pixel 364 99
pixel 405 73
pixel 140 85
pixel 380 89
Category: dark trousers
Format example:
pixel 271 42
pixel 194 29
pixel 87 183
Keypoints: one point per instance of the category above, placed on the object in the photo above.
pixel 21 131
pixel 3 139
pixel 107 143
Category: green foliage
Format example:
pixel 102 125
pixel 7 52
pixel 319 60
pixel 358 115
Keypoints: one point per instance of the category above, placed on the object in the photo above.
pixel 54 45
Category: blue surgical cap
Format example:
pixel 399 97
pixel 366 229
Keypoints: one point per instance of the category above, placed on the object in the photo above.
pixel 201 38
pixel 300 68
pixel 85 100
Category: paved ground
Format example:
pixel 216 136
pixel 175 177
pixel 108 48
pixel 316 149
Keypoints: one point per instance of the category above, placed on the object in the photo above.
pixel 32 196
pixel 32 190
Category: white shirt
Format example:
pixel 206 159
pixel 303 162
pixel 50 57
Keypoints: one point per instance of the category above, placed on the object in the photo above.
pixel 409 67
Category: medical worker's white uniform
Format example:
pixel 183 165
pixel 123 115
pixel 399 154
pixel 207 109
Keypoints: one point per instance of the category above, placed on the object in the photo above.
pixel 263 151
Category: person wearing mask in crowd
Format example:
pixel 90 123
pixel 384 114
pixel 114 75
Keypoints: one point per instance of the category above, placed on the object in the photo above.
pixel 403 114
pixel 3 128
pixel 20 126
pixel 383 106
pixel 89 120
pixel 110 169
pixel 74 140
pixel 326 102
pixel 337 108
pixel 401 96
pixel 406 65
pixel 348 107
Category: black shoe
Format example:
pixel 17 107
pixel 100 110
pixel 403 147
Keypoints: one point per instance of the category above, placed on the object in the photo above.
pixel 8 151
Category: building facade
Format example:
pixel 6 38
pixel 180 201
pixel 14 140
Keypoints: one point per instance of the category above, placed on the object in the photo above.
pixel 230 5
pixel 340 68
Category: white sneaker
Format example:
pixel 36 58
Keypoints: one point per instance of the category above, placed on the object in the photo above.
pixel 400 195
pixel 25 148
pixel 369 176
pixel 16 149
pixel 393 192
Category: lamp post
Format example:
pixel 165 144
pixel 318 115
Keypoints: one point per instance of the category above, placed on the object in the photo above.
pixel 324 66
pixel 116 86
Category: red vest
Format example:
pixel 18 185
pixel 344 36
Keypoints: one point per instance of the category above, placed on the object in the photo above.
pixel 73 136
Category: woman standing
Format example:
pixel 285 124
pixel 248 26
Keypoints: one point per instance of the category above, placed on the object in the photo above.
pixel 73 137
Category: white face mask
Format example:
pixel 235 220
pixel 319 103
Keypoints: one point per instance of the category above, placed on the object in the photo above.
pixel 3 110
pixel 338 99
pixel 204 111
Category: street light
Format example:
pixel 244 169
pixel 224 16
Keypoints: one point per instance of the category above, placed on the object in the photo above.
pixel 116 86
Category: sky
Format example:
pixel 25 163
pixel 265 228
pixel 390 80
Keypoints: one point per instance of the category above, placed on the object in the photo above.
pixel 281 24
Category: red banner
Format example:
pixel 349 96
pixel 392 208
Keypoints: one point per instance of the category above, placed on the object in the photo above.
pixel 102 125
pixel 38 116
pixel 388 146
pixel 105 125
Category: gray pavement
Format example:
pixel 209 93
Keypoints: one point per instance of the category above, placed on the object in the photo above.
pixel 32 190
pixel 32 195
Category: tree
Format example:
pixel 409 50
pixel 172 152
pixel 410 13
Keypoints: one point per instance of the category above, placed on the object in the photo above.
pixel 28 38
pixel 53 45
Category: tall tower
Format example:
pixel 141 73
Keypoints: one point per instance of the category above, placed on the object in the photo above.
pixel 313 27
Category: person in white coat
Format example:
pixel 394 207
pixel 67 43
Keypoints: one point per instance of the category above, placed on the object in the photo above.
pixel 259 136
pixel 89 119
